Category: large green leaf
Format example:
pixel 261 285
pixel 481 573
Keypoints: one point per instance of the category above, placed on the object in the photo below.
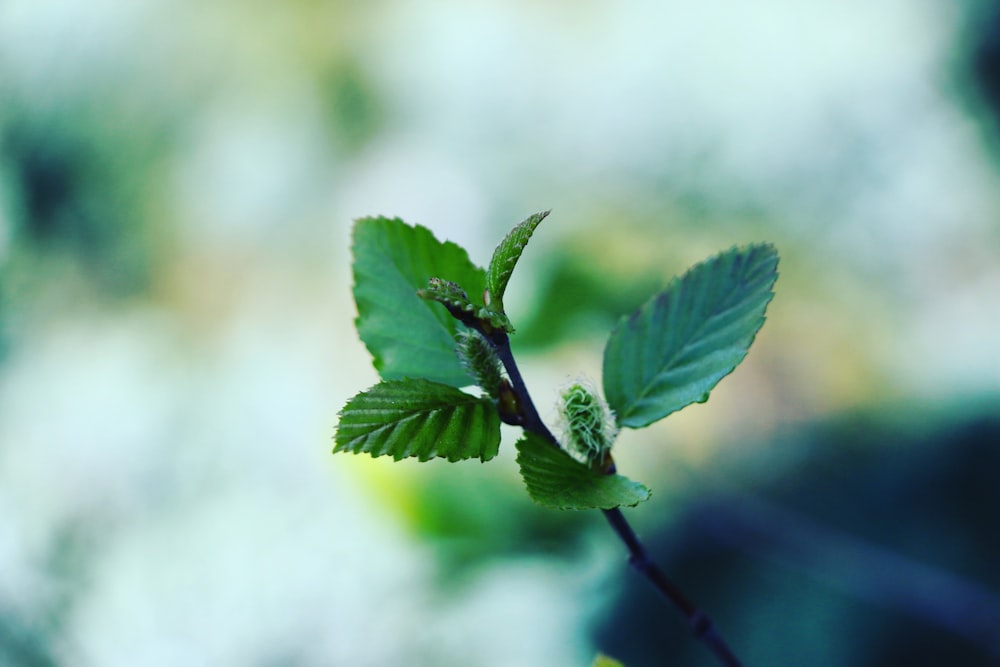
pixel 403 418
pixel 675 348
pixel 505 258
pixel 554 479
pixel 406 335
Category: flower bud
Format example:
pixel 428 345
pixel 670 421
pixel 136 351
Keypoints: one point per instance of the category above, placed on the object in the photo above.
pixel 588 425
pixel 481 361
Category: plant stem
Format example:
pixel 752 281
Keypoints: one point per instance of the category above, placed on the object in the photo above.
pixel 698 621
pixel 532 421
pixel 701 625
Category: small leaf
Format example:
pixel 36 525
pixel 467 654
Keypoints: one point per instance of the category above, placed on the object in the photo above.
pixel 457 302
pixel 675 348
pixel 403 418
pixel 447 293
pixel 554 479
pixel 505 258
pixel 406 335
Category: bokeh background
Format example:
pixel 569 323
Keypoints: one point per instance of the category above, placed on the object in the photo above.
pixel 177 185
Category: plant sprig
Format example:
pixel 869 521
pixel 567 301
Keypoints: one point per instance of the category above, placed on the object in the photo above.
pixel 429 338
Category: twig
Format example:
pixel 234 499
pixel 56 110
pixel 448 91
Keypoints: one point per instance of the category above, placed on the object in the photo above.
pixel 698 621
pixel 532 422
pixel 701 625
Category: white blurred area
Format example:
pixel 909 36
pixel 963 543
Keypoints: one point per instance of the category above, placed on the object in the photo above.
pixel 167 496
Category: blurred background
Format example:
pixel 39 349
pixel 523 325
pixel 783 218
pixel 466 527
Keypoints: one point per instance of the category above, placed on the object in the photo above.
pixel 178 182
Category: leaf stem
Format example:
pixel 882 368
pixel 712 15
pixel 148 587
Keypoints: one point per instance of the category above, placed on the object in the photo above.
pixel 701 625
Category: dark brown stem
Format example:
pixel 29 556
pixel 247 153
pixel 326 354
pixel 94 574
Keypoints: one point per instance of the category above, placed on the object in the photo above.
pixel 699 622
pixel 531 421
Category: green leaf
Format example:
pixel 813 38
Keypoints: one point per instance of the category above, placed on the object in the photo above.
pixel 406 335
pixel 675 348
pixel 403 418
pixel 554 479
pixel 457 302
pixel 505 258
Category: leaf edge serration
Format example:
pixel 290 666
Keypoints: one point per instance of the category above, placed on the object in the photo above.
pixel 556 480
pixel 406 434
pixel 625 348
pixel 505 258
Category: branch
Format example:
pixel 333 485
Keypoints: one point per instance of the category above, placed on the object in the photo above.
pixel 698 621
pixel 530 419
pixel 701 625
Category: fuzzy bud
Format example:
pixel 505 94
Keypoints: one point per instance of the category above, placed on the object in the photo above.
pixel 588 425
pixel 481 361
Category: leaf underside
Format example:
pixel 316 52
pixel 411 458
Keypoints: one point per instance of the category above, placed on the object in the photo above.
pixel 554 479
pixel 408 336
pixel 505 258
pixel 675 348
pixel 421 419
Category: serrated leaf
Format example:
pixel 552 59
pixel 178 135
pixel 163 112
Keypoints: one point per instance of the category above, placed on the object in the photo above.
pixel 418 418
pixel 554 479
pixel 675 348
pixel 505 258
pixel 461 307
pixel 408 336
pixel 446 293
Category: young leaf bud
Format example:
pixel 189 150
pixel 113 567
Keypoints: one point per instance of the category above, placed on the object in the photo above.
pixel 481 361
pixel 588 425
